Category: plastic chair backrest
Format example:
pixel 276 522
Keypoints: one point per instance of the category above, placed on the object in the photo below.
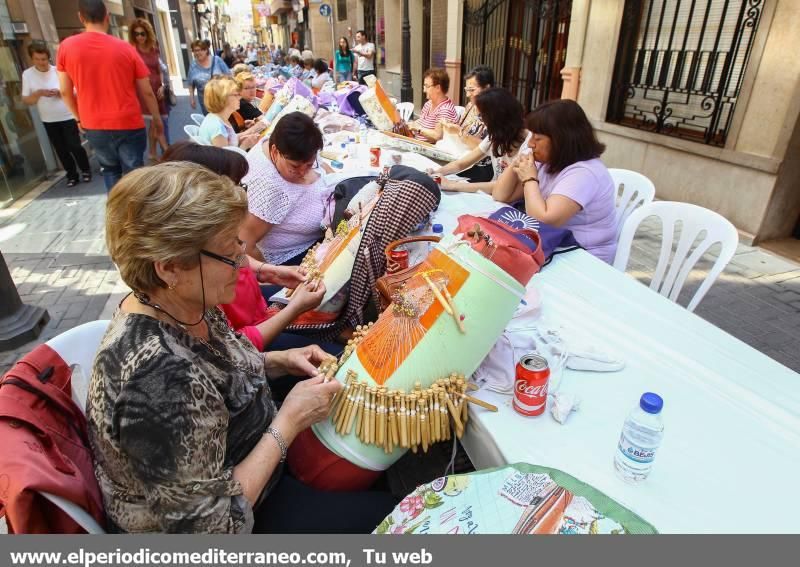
pixel 460 110
pixel 637 190
pixel 197 118
pixel 77 347
pixel 406 110
pixel 191 130
pixel 672 270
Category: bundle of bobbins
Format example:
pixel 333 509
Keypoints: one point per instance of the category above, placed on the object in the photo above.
pixel 396 418
pixel 311 269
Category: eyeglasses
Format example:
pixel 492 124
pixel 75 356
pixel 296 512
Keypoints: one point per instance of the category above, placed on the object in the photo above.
pixel 424 86
pixel 243 186
pixel 140 34
pixel 237 262
pixel 469 89
pixel 302 168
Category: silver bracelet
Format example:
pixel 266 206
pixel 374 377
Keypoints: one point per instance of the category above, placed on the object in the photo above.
pixel 279 440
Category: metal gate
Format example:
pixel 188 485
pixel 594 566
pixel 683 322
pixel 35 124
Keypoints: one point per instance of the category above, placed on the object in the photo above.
pixel 523 41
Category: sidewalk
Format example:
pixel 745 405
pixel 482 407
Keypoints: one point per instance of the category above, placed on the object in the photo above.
pixel 56 252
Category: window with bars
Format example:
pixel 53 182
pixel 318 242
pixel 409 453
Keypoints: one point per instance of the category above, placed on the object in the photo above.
pixel 680 65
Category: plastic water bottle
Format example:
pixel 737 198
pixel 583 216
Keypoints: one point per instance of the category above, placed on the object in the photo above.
pixel 438 230
pixel 640 438
pixel 363 131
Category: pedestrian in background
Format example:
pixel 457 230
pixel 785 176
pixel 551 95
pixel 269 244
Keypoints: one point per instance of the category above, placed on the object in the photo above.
pixel 107 74
pixel 142 36
pixel 204 66
pixel 40 87
pixel 366 56
pixel 344 61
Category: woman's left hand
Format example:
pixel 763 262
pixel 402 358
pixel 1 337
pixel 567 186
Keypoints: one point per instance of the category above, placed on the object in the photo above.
pixel 296 361
pixel 287 276
pixel 160 93
pixel 525 167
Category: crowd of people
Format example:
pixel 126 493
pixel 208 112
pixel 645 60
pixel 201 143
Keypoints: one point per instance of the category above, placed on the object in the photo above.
pixel 197 388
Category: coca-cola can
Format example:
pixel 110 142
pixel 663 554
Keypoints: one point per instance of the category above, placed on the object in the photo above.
pixel 530 385
pixel 375 156
pixel 400 258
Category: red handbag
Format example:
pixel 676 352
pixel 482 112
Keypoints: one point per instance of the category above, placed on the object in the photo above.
pixel 518 251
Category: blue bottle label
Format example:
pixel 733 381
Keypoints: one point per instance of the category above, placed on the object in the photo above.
pixel 635 453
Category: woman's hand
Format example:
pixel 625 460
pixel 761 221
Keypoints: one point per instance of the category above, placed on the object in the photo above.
pixel 307 296
pixel 160 93
pixel 295 361
pixel 433 170
pixel 451 127
pixel 448 185
pixel 309 402
pixel 525 167
pixel 287 276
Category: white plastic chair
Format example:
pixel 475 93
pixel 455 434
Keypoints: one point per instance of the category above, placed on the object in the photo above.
pixel 78 347
pixel 460 110
pixel 197 118
pixel 694 221
pixel 194 134
pixel 406 110
pixel 637 190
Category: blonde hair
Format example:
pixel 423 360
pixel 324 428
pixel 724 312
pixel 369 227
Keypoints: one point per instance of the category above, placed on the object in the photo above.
pixel 216 93
pixel 242 78
pixel 145 25
pixel 240 68
pixel 168 212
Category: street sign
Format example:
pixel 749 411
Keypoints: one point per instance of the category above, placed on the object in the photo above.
pixel 325 10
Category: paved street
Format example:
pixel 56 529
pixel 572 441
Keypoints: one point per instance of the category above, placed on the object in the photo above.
pixel 56 252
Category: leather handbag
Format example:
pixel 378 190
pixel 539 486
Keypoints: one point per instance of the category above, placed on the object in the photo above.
pixel 518 251
pixel 395 276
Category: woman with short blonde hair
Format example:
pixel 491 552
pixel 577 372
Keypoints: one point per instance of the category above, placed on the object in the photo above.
pixel 222 99
pixel 184 431
pixel 247 113
pixel 143 38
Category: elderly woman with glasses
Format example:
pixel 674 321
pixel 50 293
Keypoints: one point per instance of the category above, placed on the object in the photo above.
pixel 287 198
pixel 184 430
pixel 439 108
pixel 223 98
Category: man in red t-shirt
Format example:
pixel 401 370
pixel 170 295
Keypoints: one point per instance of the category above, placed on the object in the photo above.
pixel 107 73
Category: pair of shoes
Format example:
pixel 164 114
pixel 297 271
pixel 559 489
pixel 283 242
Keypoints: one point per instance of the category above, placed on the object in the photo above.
pixel 86 176
pixel 72 182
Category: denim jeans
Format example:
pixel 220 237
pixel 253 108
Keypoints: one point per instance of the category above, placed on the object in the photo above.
pixel 118 151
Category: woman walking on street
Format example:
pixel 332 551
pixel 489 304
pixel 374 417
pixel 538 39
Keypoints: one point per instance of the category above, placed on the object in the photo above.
pixel 204 66
pixel 40 87
pixel 143 38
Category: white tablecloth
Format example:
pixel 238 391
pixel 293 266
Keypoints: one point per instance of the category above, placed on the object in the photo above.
pixel 730 459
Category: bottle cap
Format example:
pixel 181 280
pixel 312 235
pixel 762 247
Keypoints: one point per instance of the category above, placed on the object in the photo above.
pixel 651 403
pixel 437 228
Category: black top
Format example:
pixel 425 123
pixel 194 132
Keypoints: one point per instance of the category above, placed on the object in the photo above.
pixel 247 112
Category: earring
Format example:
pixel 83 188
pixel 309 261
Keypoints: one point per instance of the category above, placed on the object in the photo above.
pixel 171 286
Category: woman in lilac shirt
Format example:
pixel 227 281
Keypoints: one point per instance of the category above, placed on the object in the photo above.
pixel 562 180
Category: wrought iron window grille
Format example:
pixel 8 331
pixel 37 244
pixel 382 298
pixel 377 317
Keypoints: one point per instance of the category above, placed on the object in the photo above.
pixel 680 65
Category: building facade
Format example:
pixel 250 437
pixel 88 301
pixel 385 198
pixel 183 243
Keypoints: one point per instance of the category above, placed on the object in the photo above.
pixel 701 96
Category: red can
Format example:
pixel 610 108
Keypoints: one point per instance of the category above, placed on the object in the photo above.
pixel 400 259
pixel 375 156
pixel 530 385
pixel 437 179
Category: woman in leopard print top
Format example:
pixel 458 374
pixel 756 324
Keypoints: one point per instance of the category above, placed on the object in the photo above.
pixel 182 424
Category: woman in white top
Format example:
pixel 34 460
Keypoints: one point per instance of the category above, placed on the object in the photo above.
pixel 506 138
pixel 287 198
pixel 222 97
pixel 40 87
pixel 322 76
